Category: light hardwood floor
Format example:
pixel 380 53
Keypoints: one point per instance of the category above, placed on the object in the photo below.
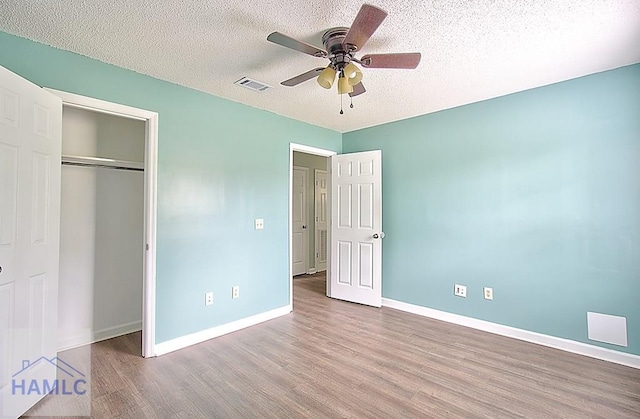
pixel 339 360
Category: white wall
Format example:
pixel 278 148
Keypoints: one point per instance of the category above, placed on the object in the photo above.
pixel 101 243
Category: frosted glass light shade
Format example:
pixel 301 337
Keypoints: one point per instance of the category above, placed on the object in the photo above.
pixel 326 77
pixel 353 74
pixel 344 86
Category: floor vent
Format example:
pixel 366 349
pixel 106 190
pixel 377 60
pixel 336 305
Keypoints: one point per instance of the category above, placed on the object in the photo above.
pixel 252 84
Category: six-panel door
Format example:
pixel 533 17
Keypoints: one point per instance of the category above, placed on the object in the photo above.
pixel 356 234
pixel 30 143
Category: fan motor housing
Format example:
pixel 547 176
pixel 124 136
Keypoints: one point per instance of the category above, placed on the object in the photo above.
pixel 332 41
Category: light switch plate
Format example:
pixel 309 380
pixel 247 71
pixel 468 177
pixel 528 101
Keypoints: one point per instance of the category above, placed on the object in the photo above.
pixel 259 223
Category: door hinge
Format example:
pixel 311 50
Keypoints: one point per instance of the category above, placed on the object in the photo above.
pixel 147 246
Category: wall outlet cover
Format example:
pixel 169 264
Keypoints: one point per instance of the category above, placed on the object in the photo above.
pixel 460 290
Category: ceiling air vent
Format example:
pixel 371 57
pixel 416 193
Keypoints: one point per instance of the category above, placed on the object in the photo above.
pixel 252 84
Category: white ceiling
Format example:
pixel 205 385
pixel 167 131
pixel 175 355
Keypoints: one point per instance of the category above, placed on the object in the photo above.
pixel 471 50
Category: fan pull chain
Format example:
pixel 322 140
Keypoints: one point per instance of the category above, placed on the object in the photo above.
pixel 341 111
pixel 351 106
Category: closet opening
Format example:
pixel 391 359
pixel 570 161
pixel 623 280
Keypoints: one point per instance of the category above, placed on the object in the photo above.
pixel 107 223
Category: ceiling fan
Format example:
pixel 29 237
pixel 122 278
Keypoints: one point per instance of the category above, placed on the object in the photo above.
pixel 340 47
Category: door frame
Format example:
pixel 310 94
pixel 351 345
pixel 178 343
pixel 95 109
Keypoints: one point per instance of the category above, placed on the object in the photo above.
pixel 318 152
pixel 150 200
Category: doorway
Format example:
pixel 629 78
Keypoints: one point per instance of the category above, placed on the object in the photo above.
pixel 124 164
pixel 309 213
pixel 354 238
pixel 314 160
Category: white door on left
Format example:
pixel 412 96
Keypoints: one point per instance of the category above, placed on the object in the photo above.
pixel 30 143
pixel 300 232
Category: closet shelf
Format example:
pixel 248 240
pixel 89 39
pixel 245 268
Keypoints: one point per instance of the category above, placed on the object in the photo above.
pixel 102 162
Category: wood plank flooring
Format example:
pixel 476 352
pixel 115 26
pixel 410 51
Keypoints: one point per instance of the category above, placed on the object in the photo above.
pixel 332 359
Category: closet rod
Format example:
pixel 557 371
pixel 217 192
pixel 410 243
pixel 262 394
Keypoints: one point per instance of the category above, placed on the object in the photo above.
pixel 101 166
pixel 85 161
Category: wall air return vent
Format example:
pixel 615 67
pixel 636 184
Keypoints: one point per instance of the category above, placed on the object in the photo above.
pixel 252 84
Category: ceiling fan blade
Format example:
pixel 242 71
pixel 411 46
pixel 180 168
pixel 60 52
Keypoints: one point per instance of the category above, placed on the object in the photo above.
pixel 401 60
pixel 365 24
pixel 294 81
pixel 287 41
pixel 358 89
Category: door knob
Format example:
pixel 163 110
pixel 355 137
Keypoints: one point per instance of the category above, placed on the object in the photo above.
pixel 0 269
pixel 378 236
pixel 304 226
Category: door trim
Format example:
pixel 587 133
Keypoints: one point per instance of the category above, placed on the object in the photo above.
pixel 150 200
pixel 318 152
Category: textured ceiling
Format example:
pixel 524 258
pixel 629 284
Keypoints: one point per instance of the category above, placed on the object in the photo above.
pixel 471 50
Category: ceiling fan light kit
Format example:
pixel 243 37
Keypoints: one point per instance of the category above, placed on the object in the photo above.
pixel 340 46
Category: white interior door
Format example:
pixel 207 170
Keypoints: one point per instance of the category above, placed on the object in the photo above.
pixel 356 228
pixel 321 223
pixel 299 233
pixel 30 142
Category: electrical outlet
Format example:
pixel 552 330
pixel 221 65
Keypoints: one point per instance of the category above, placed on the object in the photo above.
pixel 259 223
pixel 235 292
pixel 460 290
pixel 488 293
pixel 208 298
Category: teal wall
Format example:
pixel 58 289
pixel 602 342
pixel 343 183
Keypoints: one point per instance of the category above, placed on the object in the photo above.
pixel 221 164
pixel 536 194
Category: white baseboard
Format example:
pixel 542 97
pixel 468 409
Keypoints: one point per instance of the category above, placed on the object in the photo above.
pixel 311 271
pixel 88 337
pixel 214 332
pixel 572 346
